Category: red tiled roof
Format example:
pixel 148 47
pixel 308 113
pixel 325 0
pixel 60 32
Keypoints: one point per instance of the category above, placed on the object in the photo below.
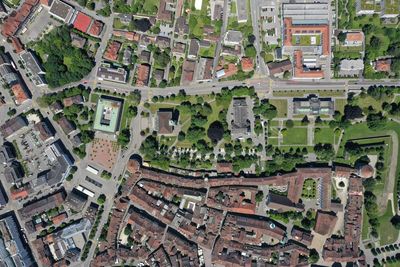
pixel 20 94
pixel 59 218
pixel 325 222
pixel 383 65
pixel 14 21
pixel 82 22
pixel 19 194
pixel 16 43
pixel 299 71
pixel 291 29
pixel 143 75
pixel 247 64
pixel 354 36
pixel 96 28
pixel 131 36
pixel 231 70
pixel 112 51
pixel 224 167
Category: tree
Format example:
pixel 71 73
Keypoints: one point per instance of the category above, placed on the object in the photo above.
pixel 132 111
pixel 216 131
pixel 375 42
pixel 250 51
pixel 195 133
pixel 149 147
pixel 265 109
pixel 289 124
pixel 395 66
pixel 286 75
pixel 341 37
pixel 101 199
pixel 352 112
pixel 259 196
pixel 376 121
pixel 251 38
pixel 128 229
pixel 396 221
pixel 314 256
pixel 124 137
pixel 324 151
pixel 11 112
pixel 181 136
pixel 305 120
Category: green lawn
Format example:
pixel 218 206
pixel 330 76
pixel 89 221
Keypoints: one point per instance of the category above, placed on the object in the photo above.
pixel 324 135
pixel 94 98
pixel 281 106
pixel 339 105
pixel 295 136
pixel 149 6
pixel 208 51
pixel 309 189
pixel 306 40
pixel 233 7
pixel 12 2
pixel 300 93
pixel 365 225
pixel 367 101
pixel 273 141
pixel 387 233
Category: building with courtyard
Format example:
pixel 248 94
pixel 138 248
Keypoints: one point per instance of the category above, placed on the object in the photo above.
pixel 108 114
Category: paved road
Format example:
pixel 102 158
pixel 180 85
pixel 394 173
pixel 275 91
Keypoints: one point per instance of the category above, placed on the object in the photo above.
pixel 223 30
pixel 255 18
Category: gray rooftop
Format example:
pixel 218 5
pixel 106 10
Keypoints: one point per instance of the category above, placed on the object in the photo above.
pixel 306 13
pixel 61 10
pixel 111 74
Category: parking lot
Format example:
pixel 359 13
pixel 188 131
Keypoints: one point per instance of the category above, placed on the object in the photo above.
pixel 40 24
pixel 32 150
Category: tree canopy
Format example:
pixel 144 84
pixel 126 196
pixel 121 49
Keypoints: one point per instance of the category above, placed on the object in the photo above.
pixel 216 131
pixel 64 63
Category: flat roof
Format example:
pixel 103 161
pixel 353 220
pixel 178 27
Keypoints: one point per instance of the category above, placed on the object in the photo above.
pixel 108 114
pixel 61 10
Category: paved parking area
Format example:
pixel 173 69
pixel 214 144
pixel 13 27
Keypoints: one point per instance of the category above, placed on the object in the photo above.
pixel 40 24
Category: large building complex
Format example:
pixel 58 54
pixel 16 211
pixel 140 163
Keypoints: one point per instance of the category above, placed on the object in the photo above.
pixel 306 37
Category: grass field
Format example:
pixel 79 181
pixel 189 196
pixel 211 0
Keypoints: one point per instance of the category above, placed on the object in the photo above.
pixel 339 105
pixel 387 233
pixel 365 225
pixel 324 135
pixel 281 106
pixel 295 136
pixel 94 98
